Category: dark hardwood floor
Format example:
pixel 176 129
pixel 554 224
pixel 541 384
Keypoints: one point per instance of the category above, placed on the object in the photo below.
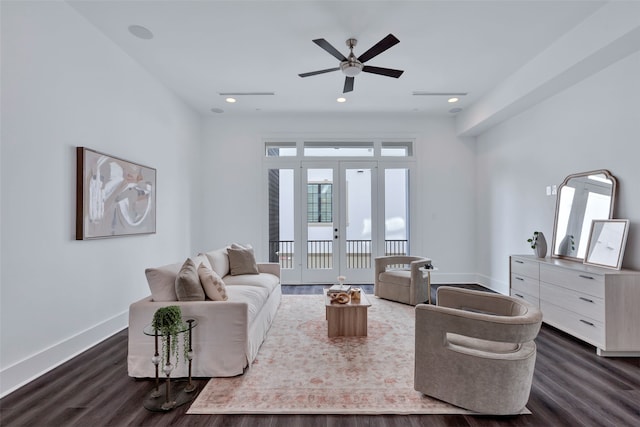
pixel 571 387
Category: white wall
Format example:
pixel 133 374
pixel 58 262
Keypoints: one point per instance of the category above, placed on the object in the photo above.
pixel 235 182
pixel 592 125
pixel 65 85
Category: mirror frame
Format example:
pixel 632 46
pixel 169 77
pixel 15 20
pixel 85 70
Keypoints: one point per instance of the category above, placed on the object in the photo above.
pixel 614 188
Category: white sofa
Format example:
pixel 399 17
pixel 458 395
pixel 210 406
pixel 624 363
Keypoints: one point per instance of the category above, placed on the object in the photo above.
pixel 229 333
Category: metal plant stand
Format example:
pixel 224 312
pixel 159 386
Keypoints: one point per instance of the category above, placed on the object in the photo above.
pixel 181 392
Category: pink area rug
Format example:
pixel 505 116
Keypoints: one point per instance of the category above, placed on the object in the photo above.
pixel 299 370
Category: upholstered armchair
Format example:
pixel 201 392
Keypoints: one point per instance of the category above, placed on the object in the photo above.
pixel 475 349
pixel 394 281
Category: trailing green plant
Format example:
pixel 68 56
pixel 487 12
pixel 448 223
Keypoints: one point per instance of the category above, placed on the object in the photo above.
pixel 168 322
pixel 533 241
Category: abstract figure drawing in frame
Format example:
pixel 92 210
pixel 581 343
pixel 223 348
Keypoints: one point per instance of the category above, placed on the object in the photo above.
pixel 115 197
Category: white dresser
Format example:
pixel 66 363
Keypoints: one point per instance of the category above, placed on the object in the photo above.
pixel 598 305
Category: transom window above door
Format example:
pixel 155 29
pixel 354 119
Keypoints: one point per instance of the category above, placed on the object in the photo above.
pixel 342 149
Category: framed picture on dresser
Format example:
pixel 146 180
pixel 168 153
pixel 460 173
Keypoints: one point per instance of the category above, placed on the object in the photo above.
pixel 607 242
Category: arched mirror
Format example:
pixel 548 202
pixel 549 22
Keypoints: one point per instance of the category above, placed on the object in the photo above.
pixel 582 197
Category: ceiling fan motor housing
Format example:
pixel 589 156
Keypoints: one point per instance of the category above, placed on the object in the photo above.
pixel 351 67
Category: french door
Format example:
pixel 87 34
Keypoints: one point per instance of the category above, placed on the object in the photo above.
pixel 339 198
pixel 330 218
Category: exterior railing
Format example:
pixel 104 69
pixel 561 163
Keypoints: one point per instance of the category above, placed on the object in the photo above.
pixel 320 253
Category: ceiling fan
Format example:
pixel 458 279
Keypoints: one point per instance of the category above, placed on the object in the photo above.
pixel 352 66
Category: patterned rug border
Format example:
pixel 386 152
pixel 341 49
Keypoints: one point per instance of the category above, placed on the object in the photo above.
pixel 288 301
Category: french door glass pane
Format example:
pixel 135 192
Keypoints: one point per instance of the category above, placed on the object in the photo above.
pixel 396 211
pixel 281 221
pixel 358 218
pixel 319 218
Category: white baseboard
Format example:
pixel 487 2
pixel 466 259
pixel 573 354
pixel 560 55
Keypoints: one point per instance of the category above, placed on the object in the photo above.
pixel 30 368
pixel 494 285
pixel 480 279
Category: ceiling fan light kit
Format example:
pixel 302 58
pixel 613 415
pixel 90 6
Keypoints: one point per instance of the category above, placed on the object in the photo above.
pixel 351 66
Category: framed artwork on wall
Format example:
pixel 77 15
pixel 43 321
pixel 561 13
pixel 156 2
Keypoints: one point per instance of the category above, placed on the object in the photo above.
pixel 607 242
pixel 114 197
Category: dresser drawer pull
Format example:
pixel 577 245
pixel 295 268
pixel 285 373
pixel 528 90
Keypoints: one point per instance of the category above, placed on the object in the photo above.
pixel 588 323
pixel 519 278
pixel 585 277
pixel 586 299
pixel 518 295
pixel 518 261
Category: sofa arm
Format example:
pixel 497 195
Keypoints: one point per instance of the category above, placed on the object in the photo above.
pixel 269 267
pixel 219 323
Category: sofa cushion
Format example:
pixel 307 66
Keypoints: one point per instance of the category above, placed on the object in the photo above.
pixel 162 282
pixel 254 296
pixel 242 261
pixel 188 287
pixel 219 261
pixel 263 280
pixel 212 283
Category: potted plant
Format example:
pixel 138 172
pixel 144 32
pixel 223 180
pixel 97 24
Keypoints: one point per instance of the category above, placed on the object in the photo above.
pixel 538 244
pixel 167 321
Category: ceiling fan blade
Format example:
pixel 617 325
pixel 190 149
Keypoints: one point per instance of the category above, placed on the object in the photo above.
pixel 379 47
pixel 329 48
pixel 389 72
pixel 348 84
pixel 313 73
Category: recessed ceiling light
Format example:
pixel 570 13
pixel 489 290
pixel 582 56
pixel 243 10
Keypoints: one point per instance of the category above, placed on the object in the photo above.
pixel 341 99
pixel 452 100
pixel 230 100
pixel 455 110
pixel 217 110
pixel 141 32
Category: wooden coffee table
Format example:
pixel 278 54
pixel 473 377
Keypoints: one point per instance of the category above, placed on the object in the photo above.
pixel 347 320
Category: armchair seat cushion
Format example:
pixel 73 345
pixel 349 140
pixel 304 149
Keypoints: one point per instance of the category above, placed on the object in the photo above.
pixel 398 277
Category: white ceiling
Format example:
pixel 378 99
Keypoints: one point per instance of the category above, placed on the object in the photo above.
pixel 202 48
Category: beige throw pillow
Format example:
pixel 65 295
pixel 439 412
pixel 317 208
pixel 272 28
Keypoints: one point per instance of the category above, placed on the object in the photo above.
pixel 162 282
pixel 212 283
pixel 242 261
pixel 188 287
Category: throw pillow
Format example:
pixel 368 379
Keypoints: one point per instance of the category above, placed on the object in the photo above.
pixel 242 261
pixel 201 259
pixel 212 283
pixel 188 287
pixel 162 282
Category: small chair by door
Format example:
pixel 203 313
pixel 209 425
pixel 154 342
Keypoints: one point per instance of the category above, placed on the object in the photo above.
pixel 402 278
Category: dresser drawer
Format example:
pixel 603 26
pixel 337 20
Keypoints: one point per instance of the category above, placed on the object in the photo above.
pixel 525 267
pixel 581 304
pixel 525 284
pixel 581 281
pixel 583 327
pixel 525 296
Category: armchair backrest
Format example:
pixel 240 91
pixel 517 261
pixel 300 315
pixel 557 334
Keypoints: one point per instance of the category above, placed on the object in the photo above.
pixel 483 315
